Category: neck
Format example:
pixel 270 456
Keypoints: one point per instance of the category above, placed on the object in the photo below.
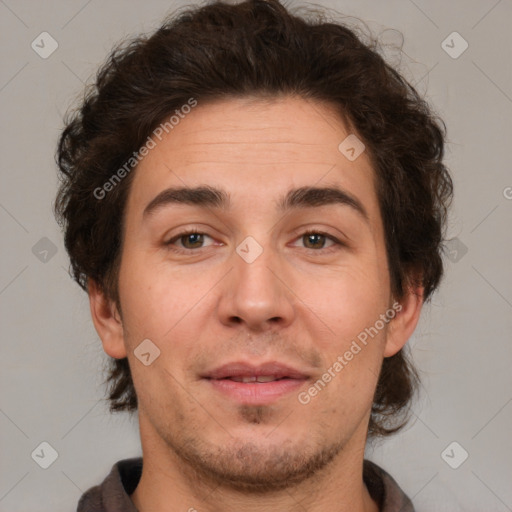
pixel 166 478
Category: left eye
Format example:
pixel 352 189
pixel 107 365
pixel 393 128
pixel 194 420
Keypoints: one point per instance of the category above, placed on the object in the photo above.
pixel 316 240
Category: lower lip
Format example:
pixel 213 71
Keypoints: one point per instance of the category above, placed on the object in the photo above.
pixel 256 393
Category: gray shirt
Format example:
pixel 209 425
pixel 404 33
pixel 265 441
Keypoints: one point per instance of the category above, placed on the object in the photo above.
pixel 113 495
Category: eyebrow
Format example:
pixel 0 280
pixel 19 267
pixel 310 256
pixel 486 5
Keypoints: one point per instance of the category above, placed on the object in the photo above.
pixel 211 197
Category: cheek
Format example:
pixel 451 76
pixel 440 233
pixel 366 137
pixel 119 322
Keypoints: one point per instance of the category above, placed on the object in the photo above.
pixel 150 296
pixel 168 307
pixel 347 301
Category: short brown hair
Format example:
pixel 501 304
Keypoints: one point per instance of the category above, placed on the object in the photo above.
pixel 257 48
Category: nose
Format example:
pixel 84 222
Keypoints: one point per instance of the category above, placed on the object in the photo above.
pixel 256 294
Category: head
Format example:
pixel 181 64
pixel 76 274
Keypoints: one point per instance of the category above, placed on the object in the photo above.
pixel 229 123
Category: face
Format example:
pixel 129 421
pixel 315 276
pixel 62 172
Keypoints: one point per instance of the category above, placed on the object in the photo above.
pixel 256 291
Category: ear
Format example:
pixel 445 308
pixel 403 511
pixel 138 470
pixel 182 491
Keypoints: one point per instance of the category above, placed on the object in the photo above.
pixel 401 327
pixel 107 321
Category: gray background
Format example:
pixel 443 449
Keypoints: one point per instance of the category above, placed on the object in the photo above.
pixel 52 359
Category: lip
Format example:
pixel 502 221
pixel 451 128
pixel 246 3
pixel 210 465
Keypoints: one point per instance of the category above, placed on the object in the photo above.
pixel 255 393
pixel 241 369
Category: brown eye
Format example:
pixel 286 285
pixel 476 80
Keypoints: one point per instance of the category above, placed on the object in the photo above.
pixel 314 240
pixel 319 241
pixel 192 240
pixel 187 241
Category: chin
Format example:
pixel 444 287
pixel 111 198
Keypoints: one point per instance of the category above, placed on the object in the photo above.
pixel 258 467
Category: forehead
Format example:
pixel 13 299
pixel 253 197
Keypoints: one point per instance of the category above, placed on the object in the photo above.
pixel 255 149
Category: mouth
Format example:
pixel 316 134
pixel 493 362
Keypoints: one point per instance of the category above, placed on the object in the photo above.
pixel 258 378
pixel 255 385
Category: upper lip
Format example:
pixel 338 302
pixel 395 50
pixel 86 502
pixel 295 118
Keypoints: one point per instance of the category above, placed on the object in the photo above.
pixel 241 369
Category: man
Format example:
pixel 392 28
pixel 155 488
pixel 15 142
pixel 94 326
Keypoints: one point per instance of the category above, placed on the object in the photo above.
pixel 255 204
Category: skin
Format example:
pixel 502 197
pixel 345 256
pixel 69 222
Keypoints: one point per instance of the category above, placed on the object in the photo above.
pixel 300 302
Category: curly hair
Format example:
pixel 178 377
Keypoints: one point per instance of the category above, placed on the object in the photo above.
pixel 257 48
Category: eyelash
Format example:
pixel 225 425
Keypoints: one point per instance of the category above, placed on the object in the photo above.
pixel 337 243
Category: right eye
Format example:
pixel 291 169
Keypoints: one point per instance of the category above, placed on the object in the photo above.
pixel 187 241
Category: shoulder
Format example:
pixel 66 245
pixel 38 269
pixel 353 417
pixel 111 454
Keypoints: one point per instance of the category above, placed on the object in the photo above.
pixel 384 490
pixel 112 495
